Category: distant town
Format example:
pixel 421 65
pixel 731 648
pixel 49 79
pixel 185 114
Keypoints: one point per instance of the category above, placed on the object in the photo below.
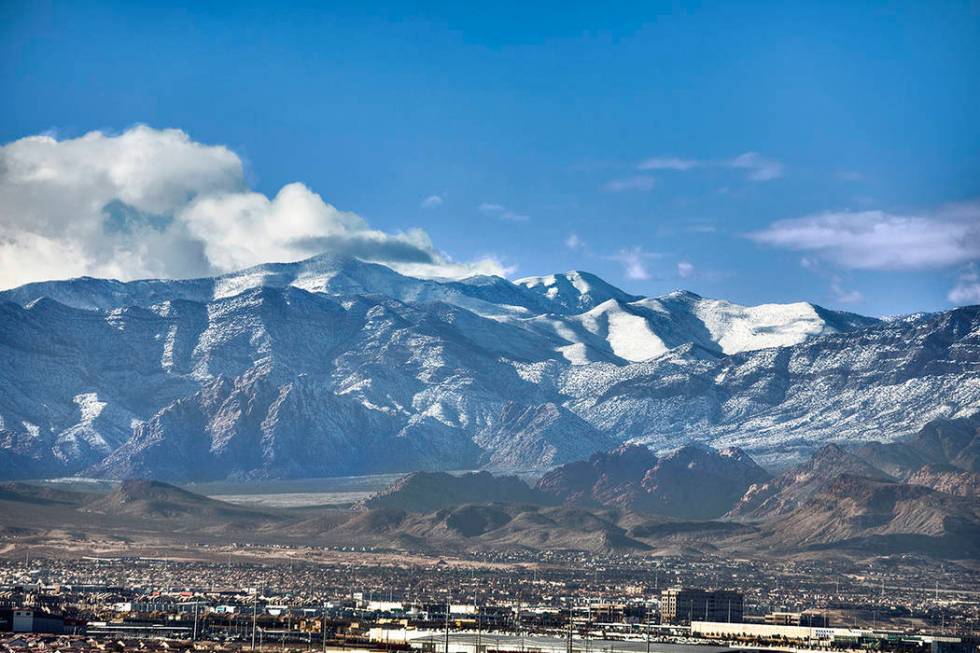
pixel 361 600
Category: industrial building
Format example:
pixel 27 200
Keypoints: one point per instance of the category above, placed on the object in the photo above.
pixel 682 605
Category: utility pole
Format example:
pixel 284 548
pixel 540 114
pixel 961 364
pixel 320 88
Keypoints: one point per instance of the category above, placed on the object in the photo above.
pixel 520 622
pixel 648 632
pixel 323 629
pixel 479 627
pixel 569 646
pixel 588 624
pixel 448 607
pixel 195 621
pixel 255 606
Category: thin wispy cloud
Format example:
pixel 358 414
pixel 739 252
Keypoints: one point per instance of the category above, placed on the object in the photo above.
pixel 667 163
pixel 637 183
pixel 685 269
pixel 843 295
pixel 574 242
pixel 879 240
pixel 432 202
pixel 634 261
pixel 501 212
pixel 756 166
pixel 967 288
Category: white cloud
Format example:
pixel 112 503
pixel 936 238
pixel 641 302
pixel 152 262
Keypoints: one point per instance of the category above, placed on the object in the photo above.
pixel 432 202
pixel 667 163
pixel 502 212
pixel 877 240
pixel 758 167
pixel 685 269
pixel 634 262
pixel 573 242
pixel 967 288
pixel 149 203
pixel 639 182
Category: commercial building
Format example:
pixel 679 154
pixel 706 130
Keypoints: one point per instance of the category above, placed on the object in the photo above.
pixel 809 618
pixel 682 605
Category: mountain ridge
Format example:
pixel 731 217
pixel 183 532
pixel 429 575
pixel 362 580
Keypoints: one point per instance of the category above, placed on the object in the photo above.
pixel 277 381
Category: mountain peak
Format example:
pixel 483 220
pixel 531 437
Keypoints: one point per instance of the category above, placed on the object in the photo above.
pixel 574 291
pixel 682 295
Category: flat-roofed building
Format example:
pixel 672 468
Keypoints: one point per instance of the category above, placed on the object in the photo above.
pixel 682 605
pixel 809 618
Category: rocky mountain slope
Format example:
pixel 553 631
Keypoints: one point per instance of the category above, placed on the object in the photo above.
pixel 944 442
pixel 948 479
pixel 941 455
pixel 334 366
pixel 882 517
pixel 794 487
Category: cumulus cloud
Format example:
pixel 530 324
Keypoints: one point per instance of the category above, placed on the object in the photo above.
pixel 639 182
pixel 502 212
pixel 432 202
pixel 967 288
pixel 155 203
pixel 878 240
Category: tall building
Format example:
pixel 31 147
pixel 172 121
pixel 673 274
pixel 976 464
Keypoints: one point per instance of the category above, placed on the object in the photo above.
pixel 682 605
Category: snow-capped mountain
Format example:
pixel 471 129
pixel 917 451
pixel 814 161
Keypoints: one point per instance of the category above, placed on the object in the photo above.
pixel 336 366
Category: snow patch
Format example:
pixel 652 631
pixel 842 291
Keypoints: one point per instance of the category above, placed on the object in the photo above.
pixel 89 405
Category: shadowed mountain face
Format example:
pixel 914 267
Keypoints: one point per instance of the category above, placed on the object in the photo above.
pixel 693 482
pixel 335 367
pixel 430 491
pixel 699 483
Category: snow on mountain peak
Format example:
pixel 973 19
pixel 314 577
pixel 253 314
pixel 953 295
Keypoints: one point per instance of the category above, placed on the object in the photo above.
pixel 574 291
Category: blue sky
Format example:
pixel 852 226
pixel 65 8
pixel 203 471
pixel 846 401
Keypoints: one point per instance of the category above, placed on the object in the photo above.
pixel 758 152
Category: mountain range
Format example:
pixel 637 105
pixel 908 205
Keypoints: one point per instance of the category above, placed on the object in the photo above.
pixel 697 496
pixel 630 499
pixel 334 366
